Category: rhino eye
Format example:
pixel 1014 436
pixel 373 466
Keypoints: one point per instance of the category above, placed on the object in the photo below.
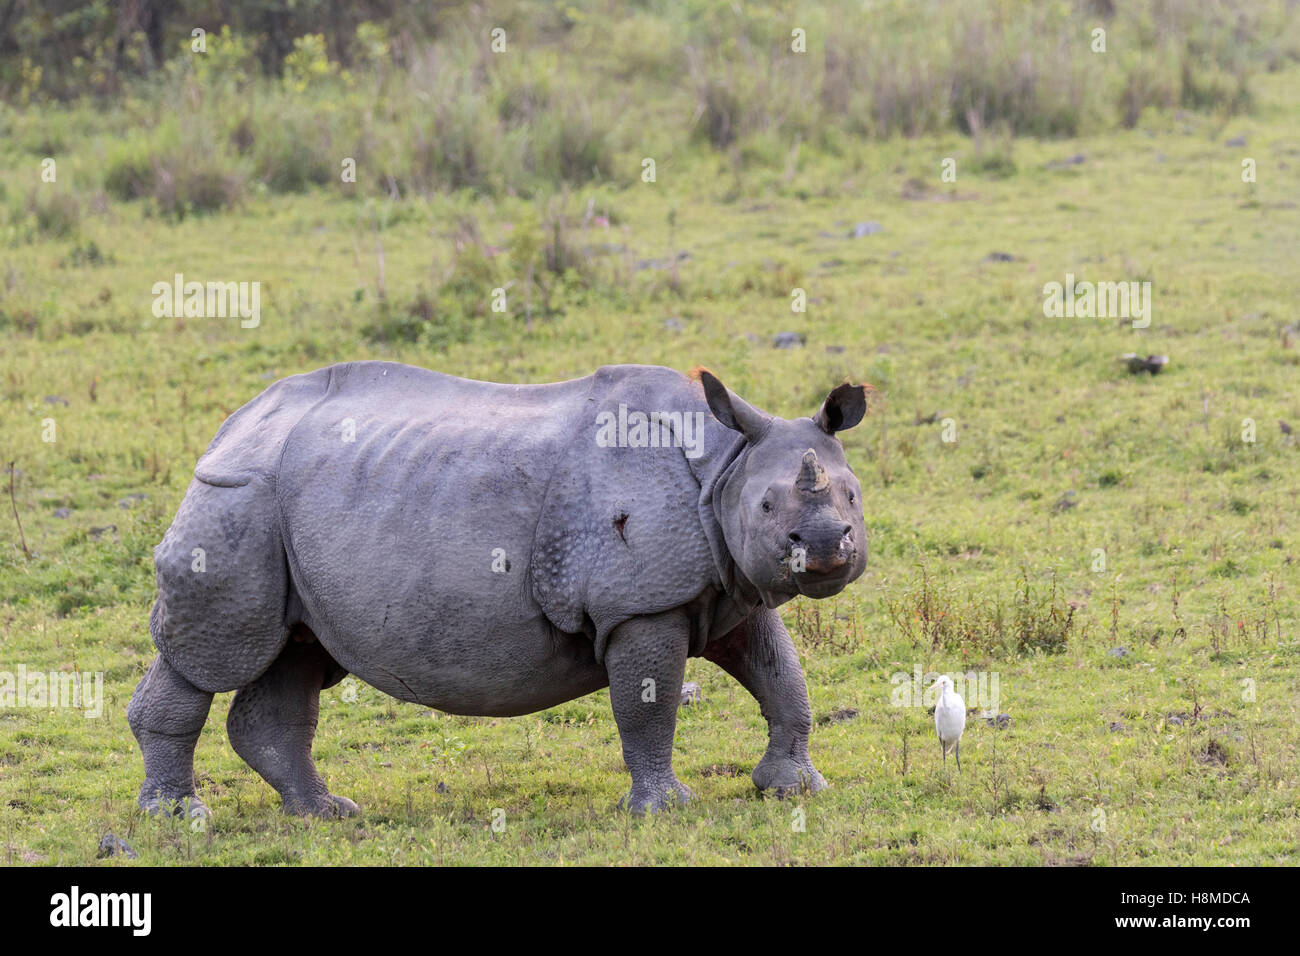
pixel 851 498
pixel 767 507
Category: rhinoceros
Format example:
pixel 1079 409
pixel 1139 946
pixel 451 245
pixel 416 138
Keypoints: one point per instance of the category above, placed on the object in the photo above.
pixel 495 550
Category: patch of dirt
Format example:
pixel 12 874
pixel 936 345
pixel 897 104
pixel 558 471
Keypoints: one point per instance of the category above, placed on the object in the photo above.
pixel 1214 753
pixel 723 770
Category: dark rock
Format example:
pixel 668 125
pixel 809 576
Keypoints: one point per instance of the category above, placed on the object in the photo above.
pixel 100 532
pixel 839 350
pixel 866 229
pixel 62 512
pixel 1066 502
pixel 1116 727
pixel 839 716
pixel 1236 141
pixel 788 340
pixel 691 694
pixel 55 400
pixel 1000 722
pixel 131 499
pixel 643 264
pixel 1118 652
pixel 442 788
pixel 112 845
pixel 1078 159
pixel 999 257
pixel 674 325
pixel 1136 364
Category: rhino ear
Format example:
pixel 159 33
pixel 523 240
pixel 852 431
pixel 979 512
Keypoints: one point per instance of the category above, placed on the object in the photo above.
pixel 843 408
pixel 731 410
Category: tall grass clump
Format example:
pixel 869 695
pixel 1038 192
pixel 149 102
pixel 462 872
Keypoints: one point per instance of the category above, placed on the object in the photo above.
pixel 423 104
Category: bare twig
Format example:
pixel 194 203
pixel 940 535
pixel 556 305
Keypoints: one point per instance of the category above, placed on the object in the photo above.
pixel 13 501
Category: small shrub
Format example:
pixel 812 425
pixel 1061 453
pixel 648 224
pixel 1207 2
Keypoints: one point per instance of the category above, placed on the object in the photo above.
pixel 289 155
pixel 86 255
pixel 181 174
pixel 836 633
pixel 57 212
pixel 930 614
pixel 128 170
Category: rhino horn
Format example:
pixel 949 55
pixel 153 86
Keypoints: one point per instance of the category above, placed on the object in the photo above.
pixel 812 476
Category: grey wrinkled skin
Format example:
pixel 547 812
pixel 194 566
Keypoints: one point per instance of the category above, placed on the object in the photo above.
pixel 473 548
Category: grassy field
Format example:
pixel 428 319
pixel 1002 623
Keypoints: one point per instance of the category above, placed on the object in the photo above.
pixel 1110 548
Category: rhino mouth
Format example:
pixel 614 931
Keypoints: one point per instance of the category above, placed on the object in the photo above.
pixel 810 583
pixel 821 585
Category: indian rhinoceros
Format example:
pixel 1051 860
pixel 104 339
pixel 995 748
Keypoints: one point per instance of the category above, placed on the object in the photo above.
pixel 489 549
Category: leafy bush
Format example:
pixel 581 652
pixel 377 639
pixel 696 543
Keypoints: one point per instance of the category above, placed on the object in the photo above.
pixel 418 94
pixel 181 171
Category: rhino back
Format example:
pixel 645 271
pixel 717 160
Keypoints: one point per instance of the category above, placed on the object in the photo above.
pixel 468 512
pixel 402 490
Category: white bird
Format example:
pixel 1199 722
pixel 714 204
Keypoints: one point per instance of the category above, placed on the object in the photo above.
pixel 949 718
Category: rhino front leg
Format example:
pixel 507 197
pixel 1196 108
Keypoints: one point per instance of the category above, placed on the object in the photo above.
pixel 645 660
pixel 272 723
pixel 759 653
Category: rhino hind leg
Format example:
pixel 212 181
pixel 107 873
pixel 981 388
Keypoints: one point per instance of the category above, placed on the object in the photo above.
pixel 166 715
pixel 272 723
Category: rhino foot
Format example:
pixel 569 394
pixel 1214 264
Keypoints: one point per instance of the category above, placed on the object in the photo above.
pixel 786 776
pixel 329 806
pixel 652 797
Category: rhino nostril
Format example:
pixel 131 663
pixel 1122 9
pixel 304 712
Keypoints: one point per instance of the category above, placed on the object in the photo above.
pixel 794 536
pixel 848 531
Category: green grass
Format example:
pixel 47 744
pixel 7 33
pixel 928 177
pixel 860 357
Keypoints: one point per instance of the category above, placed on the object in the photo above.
pixel 1198 528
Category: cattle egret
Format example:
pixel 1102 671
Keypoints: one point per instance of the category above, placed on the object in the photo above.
pixel 949 719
